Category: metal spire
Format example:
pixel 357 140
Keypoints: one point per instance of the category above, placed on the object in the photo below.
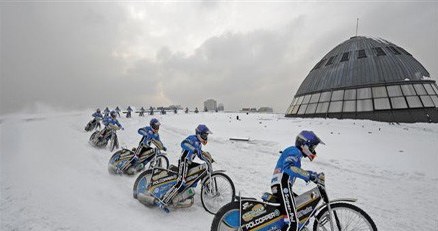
pixel 357 25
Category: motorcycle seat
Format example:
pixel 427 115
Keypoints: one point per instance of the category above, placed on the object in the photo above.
pixel 173 168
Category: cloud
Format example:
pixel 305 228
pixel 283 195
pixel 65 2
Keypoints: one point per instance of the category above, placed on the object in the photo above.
pixel 75 54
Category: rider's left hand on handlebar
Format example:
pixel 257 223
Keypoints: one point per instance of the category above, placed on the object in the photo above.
pixel 313 176
pixel 321 176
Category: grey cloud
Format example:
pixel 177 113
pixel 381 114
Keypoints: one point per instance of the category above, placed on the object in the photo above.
pixel 86 55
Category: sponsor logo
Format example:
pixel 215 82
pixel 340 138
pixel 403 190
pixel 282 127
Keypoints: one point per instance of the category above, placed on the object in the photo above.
pixel 159 175
pixel 191 178
pixel 169 178
pixel 288 205
pixel 246 205
pixel 263 219
pixel 274 228
pixel 304 211
pixel 274 190
pixel 291 159
pixel 256 211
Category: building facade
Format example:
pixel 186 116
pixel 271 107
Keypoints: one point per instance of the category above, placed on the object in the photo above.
pixel 210 105
pixel 367 78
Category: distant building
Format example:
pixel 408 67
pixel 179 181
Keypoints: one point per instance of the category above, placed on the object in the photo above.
pixel 266 109
pixel 173 107
pixel 248 109
pixel 220 107
pixel 210 105
pixel 367 78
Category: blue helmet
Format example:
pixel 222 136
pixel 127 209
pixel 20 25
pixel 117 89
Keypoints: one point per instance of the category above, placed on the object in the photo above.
pixel 307 141
pixel 155 124
pixel 113 114
pixel 202 132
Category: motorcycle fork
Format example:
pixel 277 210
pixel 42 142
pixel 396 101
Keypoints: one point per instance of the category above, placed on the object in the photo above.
pixel 154 159
pixel 329 208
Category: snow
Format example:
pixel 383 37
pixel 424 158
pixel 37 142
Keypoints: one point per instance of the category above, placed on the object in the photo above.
pixel 52 179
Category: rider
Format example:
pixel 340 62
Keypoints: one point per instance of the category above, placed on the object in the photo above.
pixel 117 110
pixel 141 112
pixel 97 114
pixel 106 111
pixel 191 147
pixel 96 117
pixel 150 135
pixel 110 121
pixel 128 113
pixel 288 168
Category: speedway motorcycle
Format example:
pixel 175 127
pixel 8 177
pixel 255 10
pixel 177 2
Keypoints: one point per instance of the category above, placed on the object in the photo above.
pixel 93 124
pixel 217 189
pixel 120 161
pixel 101 138
pixel 312 206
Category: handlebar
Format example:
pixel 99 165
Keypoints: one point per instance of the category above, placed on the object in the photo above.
pixel 320 180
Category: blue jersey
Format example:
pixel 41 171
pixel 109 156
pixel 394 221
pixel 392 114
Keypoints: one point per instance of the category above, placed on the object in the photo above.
pixel 290 163
pixel 193 146
pixel 148 135
pixel 97 115
pixel 110 121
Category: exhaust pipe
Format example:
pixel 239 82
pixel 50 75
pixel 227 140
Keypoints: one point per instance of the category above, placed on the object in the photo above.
pixel 146 199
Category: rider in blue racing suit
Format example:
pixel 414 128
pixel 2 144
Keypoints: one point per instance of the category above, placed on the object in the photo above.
pixel 288 169
pixel 97 114
pixel 150 134
pixel 110 121
pixel 191 147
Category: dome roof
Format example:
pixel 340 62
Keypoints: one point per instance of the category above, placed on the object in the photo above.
pixel 367 78
pixel 362 61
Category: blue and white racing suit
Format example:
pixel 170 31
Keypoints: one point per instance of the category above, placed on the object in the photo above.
pixel 191 147
pixel 148 135
pixel 287 170
pixel 145 142
pixel 97 115
pixel 107 121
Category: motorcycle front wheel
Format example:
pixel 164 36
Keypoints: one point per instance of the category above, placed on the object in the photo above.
pixel 347 217
pixel 227 218
pixel 217 192
pixel 160 161
pixel 142 182
pixel 114 142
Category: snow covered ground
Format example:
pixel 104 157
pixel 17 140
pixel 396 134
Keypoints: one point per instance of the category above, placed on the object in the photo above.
pixel 52 179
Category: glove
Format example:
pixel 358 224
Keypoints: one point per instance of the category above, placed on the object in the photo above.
pixel 313 176
pixel 164 148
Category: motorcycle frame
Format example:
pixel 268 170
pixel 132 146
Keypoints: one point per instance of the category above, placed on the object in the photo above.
pixel 326 203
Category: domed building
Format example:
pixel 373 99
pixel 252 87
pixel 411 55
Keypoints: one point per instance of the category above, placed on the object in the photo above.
pixel 367 78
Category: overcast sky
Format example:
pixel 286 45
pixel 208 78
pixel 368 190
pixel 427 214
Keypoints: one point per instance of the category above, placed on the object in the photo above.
pixel 85 55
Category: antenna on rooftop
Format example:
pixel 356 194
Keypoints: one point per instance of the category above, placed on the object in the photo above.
pixel 357 25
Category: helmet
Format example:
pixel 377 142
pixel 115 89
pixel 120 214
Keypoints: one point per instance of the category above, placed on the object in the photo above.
pixel 202 133
pixel 155 124
pixel 113 114
pixel 98 110
pixel 307 141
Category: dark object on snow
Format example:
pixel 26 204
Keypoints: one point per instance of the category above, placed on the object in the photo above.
pixel 239 139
